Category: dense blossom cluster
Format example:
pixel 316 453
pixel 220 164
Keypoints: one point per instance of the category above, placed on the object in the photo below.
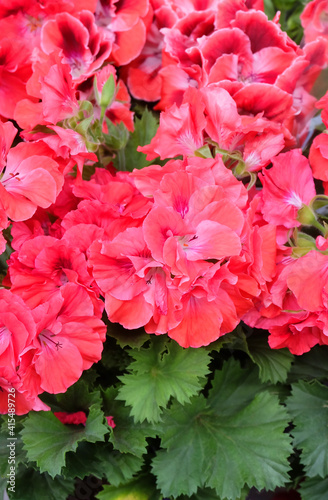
pixel 228 227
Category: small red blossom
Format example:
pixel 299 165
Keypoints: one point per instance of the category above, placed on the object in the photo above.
pixel 110 422
pixel 76 418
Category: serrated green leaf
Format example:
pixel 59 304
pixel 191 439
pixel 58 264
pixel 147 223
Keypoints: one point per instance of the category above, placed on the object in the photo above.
pixel 274 364
pixel 78 397
pixel 122 467
pixel 30 484
pixel 233 388
pixel 224 450
pixel 210 494
pixel 308 404
pixel 233 340
pixel 314 489
pixel 130 338
pixel 310 365
pixel 127 436
pixel 117 136
pixel 144 130
pixel 86 460
pixel 140 489
pixel 47 440
pixel 162 371
pixel 5 439
pixel 100 460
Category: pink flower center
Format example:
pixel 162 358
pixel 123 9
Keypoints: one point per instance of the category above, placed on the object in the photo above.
pixel 46 340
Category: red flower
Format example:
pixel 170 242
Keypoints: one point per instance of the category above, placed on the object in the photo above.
pixel 76 418
pixel 110 422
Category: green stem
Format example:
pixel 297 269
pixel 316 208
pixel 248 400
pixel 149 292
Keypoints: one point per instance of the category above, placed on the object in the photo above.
pixel 319 226
pixel 121 160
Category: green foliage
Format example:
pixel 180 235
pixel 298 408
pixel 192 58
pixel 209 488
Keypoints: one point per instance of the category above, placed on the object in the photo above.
pixel 314 489
pixel 274 364
pixel 233 388
pixel 107 92
pixel 47 440
pixel 310 365
pixel 139 489
pixel 209 494
pixel 122 467
pixel 130 338
pixel 290 11
pixel 117 137
pixel 128 436
pixel 89 458
pixel 101 461
pixel 243 436
pixel 144 130
pixel 30 484
pixel 162 371
pixel 308 405
pixel 233 340
pixel 78 397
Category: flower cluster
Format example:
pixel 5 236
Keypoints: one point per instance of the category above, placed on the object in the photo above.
pixel 223 225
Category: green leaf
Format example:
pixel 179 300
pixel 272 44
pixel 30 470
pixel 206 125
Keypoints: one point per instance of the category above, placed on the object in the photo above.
pixel 101 461
pixel 269 9
pixel 117 136
pixel 87 459
pixel 144 130
pixel 140 489
pixel 107 92
pixel 122 467
pixel 210 494
pixel 130 338
pixel 127 436
pixel 274 364
pixel 3 486
pixel 233 388
pixel 314 489
pixel 78 397
pixel 308 404
pixel 224 448
pixel 204 152
pixel 95 89
pixel 5 439
pixel 83 126
pixel 162 371
pixel 31 484
pixel 233 340
pixel 47 440
pixel 310 365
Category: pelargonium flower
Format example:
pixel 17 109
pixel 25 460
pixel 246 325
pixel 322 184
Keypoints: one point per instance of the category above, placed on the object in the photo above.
pixel 81 44
pixel 69 339
pixel 125 23
pixel 186 258
pixel 287 187
pixel 17 332
pixel 314 20
pixel 30 179
pixel 44 264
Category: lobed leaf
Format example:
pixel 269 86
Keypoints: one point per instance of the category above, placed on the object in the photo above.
pixel 225 443
pixel 162 371
pixel 314 489
pixel 274 364
pixel 308 406
pixel 47 440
